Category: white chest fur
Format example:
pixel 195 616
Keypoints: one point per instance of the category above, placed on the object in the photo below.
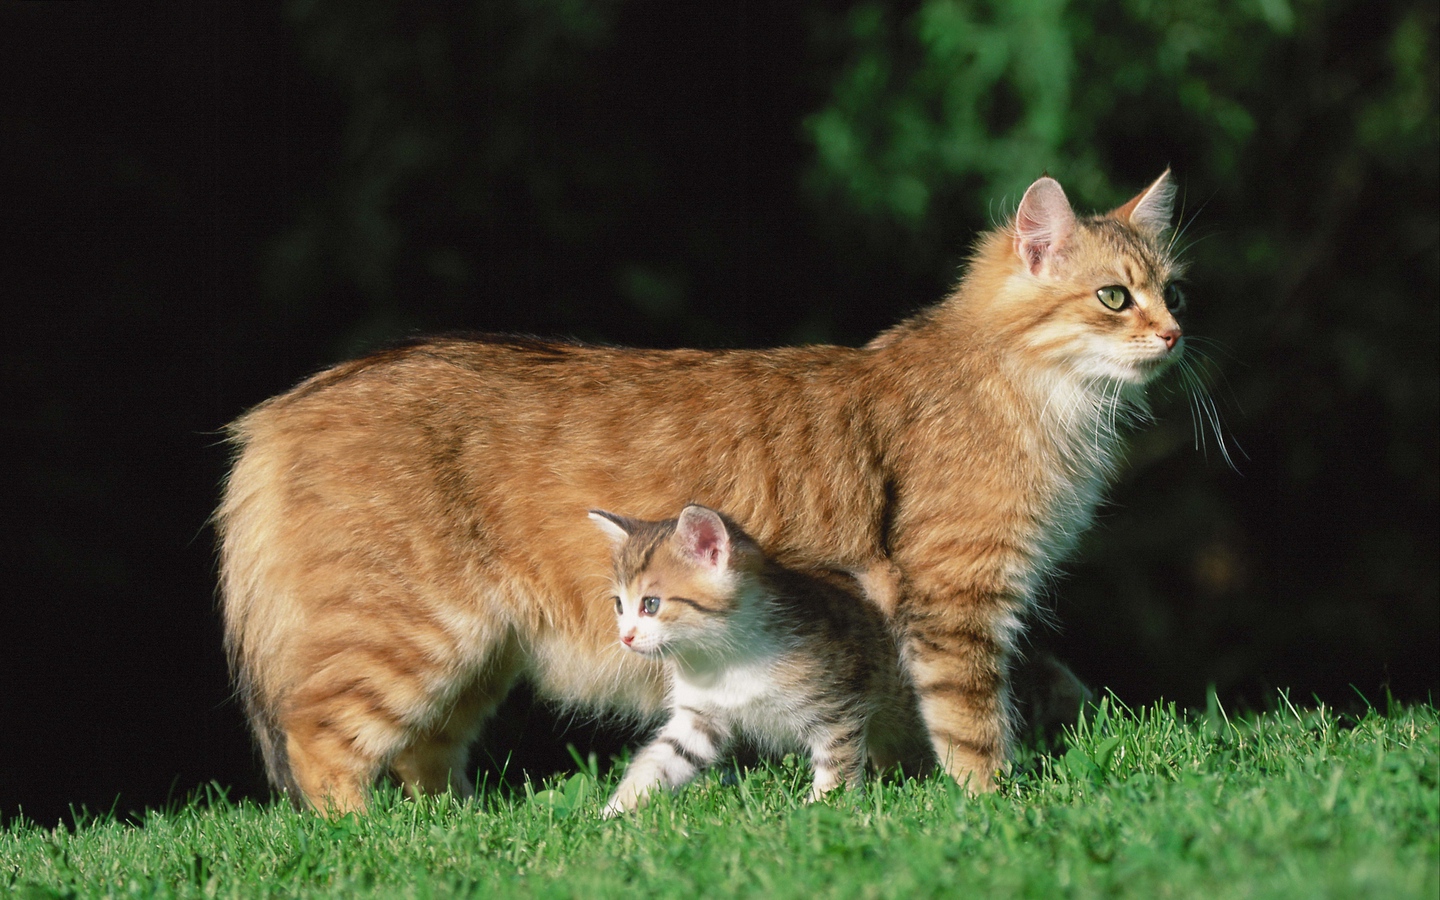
pixel 749 698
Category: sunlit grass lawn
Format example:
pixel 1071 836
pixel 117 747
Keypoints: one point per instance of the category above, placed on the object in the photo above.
pixel 1295 803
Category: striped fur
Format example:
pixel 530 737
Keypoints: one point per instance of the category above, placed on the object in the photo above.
pixel 402 536
pixel 788 660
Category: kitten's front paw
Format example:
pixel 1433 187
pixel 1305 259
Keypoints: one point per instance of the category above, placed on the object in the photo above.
pixel 826 779
pixel 620 804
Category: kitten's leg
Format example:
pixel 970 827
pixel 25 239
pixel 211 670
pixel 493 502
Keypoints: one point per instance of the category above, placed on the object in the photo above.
pixel 895 734
pixel 1048 696
pixel 837 753
pixel 896 740
pixel 958 657
pixel 686 744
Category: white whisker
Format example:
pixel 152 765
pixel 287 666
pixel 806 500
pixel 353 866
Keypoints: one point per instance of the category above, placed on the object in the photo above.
pixel 1187 376
pixel 1173 248
pixel 1204 410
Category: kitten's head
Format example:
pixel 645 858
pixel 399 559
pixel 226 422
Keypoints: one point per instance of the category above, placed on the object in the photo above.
pixel 677 581
pixel 1096 297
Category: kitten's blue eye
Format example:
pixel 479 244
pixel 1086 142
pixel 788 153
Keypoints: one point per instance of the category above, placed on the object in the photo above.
pixel 1174 298
pixel 650 605
pixel 1114 297
pixel 619 607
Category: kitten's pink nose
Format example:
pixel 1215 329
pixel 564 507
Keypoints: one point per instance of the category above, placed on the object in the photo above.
pixel 627 638
pixel 1169 336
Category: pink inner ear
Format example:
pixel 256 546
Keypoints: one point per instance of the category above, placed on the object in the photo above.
pixel 1042 223
pixel 704 537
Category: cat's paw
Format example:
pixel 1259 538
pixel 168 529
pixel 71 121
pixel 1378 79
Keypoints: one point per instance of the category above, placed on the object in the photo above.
pixel 819 792
pixel 620 804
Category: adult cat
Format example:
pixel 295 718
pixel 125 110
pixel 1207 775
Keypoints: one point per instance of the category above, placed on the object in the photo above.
pixel 404 536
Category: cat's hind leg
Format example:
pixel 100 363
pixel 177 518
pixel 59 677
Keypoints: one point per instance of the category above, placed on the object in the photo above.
pixel 362 697
pixel 438 759
pixel 334 751
pixel 837 754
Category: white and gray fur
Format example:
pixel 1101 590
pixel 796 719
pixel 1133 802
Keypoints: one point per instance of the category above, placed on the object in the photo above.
pixel 791 661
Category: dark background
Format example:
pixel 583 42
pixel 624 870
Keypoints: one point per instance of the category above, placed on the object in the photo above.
pixel 203 204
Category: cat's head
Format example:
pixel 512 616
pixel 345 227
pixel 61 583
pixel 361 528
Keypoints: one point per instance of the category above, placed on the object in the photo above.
pixel 1096 297
pixel 677 581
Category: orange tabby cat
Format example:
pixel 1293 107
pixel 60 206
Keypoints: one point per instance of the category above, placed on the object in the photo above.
pixel 403 536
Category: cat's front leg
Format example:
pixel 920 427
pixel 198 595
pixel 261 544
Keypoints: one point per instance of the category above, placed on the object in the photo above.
pixel 687 744
pixel 958 657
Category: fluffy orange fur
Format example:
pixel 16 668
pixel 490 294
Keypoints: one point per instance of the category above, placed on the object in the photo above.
pixel 403 537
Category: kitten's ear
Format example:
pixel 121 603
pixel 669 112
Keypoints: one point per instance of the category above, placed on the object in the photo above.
pixel 1042 223
pixel 1151 209
pixel 703 536
pixel 617 528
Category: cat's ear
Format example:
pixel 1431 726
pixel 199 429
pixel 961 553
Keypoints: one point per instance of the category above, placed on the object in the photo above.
pixel 703 537
pixel 1042 223
pixel 617 528
pixel 1151 209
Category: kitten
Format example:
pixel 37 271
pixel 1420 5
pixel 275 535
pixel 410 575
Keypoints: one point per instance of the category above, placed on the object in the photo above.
pixel 400 543
pixel 788 660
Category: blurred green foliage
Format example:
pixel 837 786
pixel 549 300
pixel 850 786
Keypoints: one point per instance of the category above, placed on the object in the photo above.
pixel 958 103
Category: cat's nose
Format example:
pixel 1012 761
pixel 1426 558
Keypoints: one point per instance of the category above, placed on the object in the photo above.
pixel 1169 336
pixel 627 638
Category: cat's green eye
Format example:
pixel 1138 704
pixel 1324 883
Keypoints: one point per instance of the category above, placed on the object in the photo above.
pixel 1114 297
pixel 619 607
pixel 650 605
pixel 1174 298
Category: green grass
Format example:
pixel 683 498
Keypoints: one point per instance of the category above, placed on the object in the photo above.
pixel 1154 803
